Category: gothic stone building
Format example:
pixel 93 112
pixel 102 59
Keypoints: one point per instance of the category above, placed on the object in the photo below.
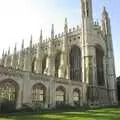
pixel 74 68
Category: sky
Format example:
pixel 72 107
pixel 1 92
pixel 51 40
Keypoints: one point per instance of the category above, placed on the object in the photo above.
pixel 21 18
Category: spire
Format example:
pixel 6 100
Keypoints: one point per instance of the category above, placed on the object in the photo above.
pixel 21 57
pixel 105 26
pixel 6 53
pixel 3 54
pixel 22 46
pixel 3 58
pixel 14 58
pixel 52 32
pixel 38 61
pixel 15 49
pixel 41 37
pixel 9 51
pixel 31 41
pixel 66 26
pixel 105 13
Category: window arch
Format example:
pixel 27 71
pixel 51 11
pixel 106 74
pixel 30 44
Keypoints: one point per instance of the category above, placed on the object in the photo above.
pixel 99 64
pixel 8 91
pixel 44 63
pixel 60 95
pixel 75 63
pixel 38 94
pixel 76 96
pixel 57 63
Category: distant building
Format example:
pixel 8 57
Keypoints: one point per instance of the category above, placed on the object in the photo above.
pixel 75 67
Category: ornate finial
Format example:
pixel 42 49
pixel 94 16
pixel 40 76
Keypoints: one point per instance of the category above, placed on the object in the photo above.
pixel 66 26
pixel 52 31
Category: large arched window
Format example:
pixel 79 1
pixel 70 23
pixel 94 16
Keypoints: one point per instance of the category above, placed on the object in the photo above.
pixel 8 91
pixel 60 95
pixel 57 63
pixel 75 63
pixel 38 94
pixel 99 63
pixel 44 64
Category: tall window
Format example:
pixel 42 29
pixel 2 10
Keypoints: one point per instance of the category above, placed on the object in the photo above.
pixel 38 94
pixel 99 62
pixel 75 63
pixel 57 63
pixel 44 64
pixel 76 96
pixel 33 64
pixel 8 92
pixel 60 95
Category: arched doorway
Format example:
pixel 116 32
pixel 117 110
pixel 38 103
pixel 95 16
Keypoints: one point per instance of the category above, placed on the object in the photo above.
pixel 8 95
pixel 44 64
pixel 60 95
pixel 38 94
pixel 75 63
pixel 76 96
pixel 57 63
pixel 99 64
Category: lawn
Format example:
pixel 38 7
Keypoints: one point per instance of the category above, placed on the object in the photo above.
pixel 98 114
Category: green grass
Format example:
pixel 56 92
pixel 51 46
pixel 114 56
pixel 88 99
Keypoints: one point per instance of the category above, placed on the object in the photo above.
pixel 95 114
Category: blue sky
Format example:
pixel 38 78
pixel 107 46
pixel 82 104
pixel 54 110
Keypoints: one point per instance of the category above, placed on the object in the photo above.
pixel 21 18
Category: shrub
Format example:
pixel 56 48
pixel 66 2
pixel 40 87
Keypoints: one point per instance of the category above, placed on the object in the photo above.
pixel 7 106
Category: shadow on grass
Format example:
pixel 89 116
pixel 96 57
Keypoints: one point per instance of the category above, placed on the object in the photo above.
pixel 95 114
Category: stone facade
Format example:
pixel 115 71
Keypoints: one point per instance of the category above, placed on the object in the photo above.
pixel 118 89
pixel 75 67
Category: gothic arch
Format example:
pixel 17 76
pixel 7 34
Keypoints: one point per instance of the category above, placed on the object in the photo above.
pixel 75 63
pixel 38 93
pixel 76 96
pixel 9 91
pixel 57 62
pixel 60 95
pixel 100 65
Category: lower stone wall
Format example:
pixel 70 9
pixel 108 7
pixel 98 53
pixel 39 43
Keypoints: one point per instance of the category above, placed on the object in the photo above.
pixel 100 96
pixel 24 82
